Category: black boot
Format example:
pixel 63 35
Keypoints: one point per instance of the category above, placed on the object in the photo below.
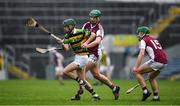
pixel 116 93
pixel 76 97
pixel 96 97
pixel 146 95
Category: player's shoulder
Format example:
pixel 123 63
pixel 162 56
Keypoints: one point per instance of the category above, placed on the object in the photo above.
pixel 80 31
pixel 147 38
pixel 100 26
pixel 86 24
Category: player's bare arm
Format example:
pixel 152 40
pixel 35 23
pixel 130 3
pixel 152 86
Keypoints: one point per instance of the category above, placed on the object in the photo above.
pixel 94 43
pixel 65 46
pixel 139 60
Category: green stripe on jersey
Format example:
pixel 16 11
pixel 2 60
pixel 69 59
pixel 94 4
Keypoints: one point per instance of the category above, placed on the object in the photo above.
pixel 78 37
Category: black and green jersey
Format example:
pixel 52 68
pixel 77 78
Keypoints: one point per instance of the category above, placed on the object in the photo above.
pixel 75 39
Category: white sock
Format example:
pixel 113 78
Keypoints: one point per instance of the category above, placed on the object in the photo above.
pixel 156 97
pixel 145 91
pixel 114 88
pixel 82 84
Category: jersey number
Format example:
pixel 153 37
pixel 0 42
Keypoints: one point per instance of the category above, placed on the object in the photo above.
pixel 156 44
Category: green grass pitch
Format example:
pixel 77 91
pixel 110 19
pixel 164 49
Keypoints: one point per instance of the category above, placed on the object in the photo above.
pixel 49 92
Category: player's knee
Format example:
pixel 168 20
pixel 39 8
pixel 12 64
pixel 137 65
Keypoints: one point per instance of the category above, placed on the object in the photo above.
pixel 65 73
pixel 151 78
pixel 135 72
pixel 96 75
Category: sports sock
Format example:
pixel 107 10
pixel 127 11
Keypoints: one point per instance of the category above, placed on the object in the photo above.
pixel 112 86
pixel 79 92
pixel 156 96
pixel 92 91
pixel 82 84
pixel 77 79
pixel 145 90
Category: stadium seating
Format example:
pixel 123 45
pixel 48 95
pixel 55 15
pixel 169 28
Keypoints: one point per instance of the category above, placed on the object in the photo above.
pixel 169 36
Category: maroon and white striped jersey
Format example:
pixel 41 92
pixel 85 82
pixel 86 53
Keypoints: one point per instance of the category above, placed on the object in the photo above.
pixel 99 31
pixel 153 49
pixel 58 59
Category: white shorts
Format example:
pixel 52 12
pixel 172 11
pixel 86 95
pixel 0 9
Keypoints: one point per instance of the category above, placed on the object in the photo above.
pixel 81 60
pixel 155 65
pixel 94 59
pixel 59 70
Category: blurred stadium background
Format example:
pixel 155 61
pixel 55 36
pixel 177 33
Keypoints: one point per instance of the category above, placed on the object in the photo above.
pixel 19 60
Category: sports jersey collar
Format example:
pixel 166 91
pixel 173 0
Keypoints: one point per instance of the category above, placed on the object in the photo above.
pixel 92 26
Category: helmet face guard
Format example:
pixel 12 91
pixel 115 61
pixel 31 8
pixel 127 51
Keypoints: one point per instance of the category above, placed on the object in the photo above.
pixel 95 13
